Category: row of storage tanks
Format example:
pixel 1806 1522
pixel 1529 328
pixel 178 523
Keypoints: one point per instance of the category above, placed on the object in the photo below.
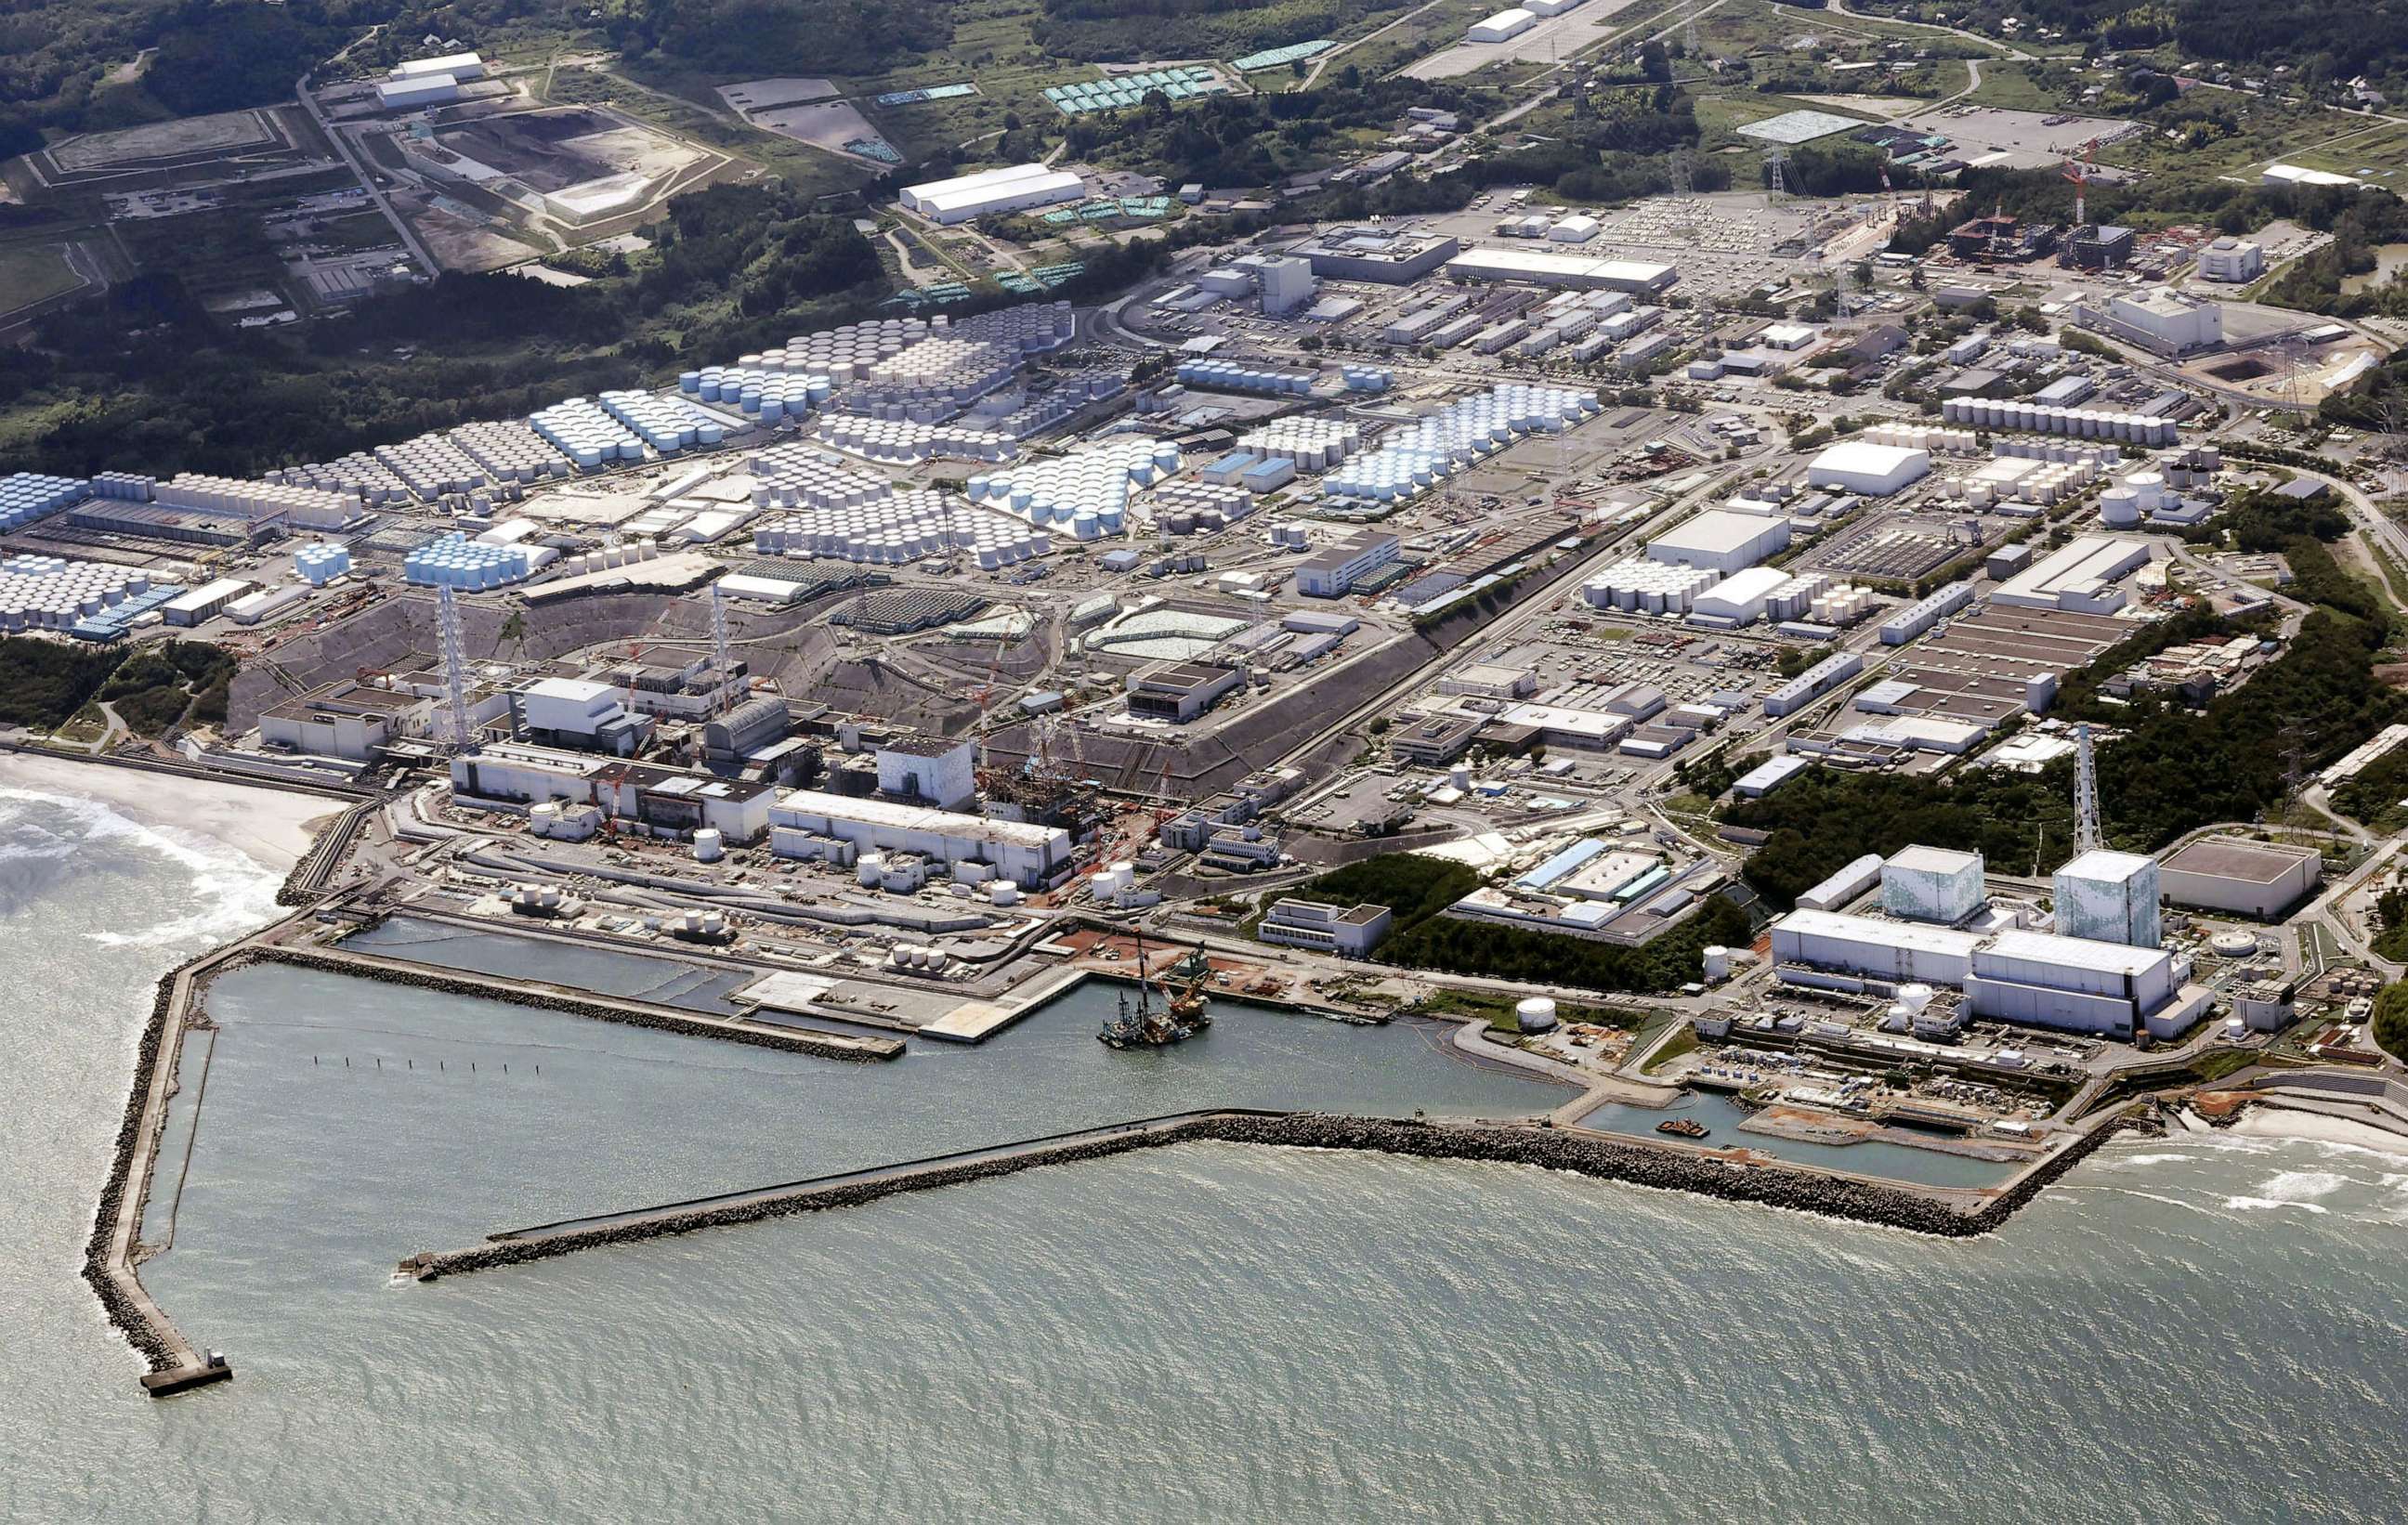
pixel 52 593
pixel 321 564
pixel 667 424
pixel 302 505
pixel 902 527
pixel 1230 375
pixel 358 474
pixel 510 450
pixel 432 465
pixel 769 395
pixel 1366 377
pixel 124 486
pixel 457 561
pixel 939 373
pixel 1087 492
pixel 1908 437
pixel 909 441
pixel 1413 458
pixel 1111 879
pixel 2084 423
pixel 1645 586
pixel 1312 444
pixel 808 483
pixel 587 436
pixel 610 557
pixel 2052 482
pixel 848 353
pixel 1183 508
pixel 26 496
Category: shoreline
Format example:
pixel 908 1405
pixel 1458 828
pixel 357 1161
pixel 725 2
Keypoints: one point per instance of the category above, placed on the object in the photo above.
pixel 272 827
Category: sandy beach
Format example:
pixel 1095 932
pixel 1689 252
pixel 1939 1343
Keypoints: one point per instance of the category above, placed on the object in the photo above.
pixel 268 826
pixel 2283 1123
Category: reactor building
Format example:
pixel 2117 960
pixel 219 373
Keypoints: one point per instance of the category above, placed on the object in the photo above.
pixel 2110 897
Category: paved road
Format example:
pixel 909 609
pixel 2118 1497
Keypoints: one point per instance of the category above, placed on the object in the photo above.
pixel 368 180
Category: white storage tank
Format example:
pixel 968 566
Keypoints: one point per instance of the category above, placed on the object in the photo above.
pixel 1536 1013
pixel 1717 959
pixel 707 846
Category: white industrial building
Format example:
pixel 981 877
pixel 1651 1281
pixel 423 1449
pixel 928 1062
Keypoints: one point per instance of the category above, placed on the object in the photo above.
pixel 665 801
pixel 2261 880
pixel 578 713
pixel 1933 884
pixel 1852 883
pixel 2110 897
pixel 1740 598
pixel 1721 540
pixel 1333 573
pixel 1860 466
pixel 416 91
pixel 2233 259
pixel 1349 932
pixel 1505 24
pixel 929 770
pixel 2080 576
pixel 458 66
pixel 2162 319
pixel 1016 188
pixel 1902 951
pixel 2031 978
pixel 1546 267
pixel 1287 284
pixel 803 822
pixel 2073 984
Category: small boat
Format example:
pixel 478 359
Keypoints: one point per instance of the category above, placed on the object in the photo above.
pixel 1683 1128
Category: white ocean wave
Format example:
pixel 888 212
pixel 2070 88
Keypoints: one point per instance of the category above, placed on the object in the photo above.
pixel 2247 1204
pixel 227 891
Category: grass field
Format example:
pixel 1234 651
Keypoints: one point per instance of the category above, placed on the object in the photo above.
pixel 35 273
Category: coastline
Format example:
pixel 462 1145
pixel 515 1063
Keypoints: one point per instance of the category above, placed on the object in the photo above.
pixel 272 827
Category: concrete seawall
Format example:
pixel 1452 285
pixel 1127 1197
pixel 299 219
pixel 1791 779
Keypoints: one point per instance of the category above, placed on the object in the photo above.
pixel 109 1253
pixel 543 997
pixel 1548 1148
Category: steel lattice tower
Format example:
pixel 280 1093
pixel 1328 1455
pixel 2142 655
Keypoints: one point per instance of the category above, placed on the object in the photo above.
pixel 456 662
pixel 2086 836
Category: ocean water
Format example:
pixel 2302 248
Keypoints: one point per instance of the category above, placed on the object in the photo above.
pixel 2207 1326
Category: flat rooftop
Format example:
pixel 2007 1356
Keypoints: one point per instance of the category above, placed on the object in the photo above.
pixel 2251 862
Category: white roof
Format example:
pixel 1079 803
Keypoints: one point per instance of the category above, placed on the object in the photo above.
pixel 574 690
pixel 1919 935
pixel 1865 457
pixel 1747 587
pixel 447 64
pixel 1594 722
pixel 1922 860
pixel 2109 867
pixel 1715 530
pixel 1540 263
pixel 991 185
pixel 2074 952
pixel 1514 16
pixel 209 592
pixel 914 817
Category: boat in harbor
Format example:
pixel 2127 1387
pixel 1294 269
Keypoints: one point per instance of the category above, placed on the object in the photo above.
pixel 1683 1128
pixel 1148 1026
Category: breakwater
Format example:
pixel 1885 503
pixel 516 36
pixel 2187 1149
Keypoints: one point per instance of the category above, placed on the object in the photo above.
pixel 627 1012
pixel 109 1253
pixel 1548 1148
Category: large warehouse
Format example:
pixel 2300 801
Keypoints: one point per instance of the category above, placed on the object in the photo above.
pixel 1545 267
pixel 1015 189
pixel 1721 540
pixel 1856 466
pixel 2079 578
pixel 1503 26
pixel 1030 856
pixel 2261 880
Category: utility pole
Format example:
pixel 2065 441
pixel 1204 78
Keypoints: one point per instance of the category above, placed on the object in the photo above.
pixel 2087 835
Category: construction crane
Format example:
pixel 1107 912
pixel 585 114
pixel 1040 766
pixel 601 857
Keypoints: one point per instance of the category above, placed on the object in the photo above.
pixel 2077 170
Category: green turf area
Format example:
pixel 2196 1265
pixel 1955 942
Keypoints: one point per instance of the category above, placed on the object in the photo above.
pixel 35 273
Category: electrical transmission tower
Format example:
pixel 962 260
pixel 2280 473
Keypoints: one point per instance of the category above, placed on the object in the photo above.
pixel 2086 793
pixel 1685 173
pixel 1776 169
pixel 1689 44
pixel 455 662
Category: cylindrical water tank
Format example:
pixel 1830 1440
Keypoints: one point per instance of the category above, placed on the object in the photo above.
pixel 1536 1013
pixel 1717 959
pixel 707 846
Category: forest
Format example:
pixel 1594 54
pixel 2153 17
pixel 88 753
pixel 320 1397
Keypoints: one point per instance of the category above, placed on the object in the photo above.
pixel 44 684
pixel 1125 31
pixel 144 376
